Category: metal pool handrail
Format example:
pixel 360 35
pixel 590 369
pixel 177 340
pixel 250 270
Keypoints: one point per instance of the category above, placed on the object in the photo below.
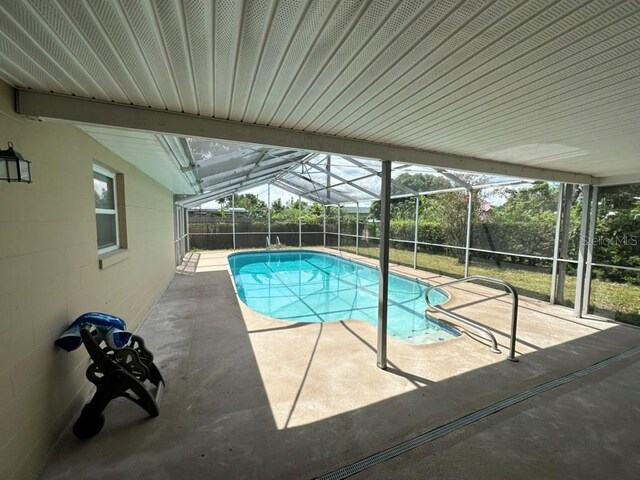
pixel 268 243
pixel 514 311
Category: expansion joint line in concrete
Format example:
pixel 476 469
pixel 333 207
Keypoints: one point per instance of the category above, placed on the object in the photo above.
pixel 473 417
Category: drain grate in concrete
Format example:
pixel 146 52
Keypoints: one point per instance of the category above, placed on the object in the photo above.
pixel 438 432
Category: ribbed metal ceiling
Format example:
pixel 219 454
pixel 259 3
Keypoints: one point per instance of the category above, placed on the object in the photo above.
pixel 549 83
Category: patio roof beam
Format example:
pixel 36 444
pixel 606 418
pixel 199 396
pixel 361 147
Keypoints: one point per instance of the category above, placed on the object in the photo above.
pixel 343 180
pixel 619 180
pixel 501 184
pixel 263 161
pixel 294 191
pixel 279 180
pixel 215 164
pixel 215 194
pixel 255 166
pixel 287 155
pixel 177 149
pixel 99 112
pixel 259 178
pixel 198 200
pixel 473 187
pixel 227 175
pixel 235 180
pixel 454 178
pixel 228 187
pixel 432 192
pixel 240 178
pixel 373 171
pixel 320 188
pixel 297 157
pixel 218 173
pixel 399 186
pixel 314 192
pixel 308 158
pixel 276 168
pixel 323 187
pixel 207 197
pixel 285 172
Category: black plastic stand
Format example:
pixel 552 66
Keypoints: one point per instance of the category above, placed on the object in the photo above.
pixel 120 372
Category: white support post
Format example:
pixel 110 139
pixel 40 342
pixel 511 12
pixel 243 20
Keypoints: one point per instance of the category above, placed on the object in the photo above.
pixel 324 226
pixel 269 211
pixel 468 242
pixel 233 218
pixel 175 233
pixel 339 205
pixel 582 251
pixel 179 233
pixel 556 245
pixel 383 293
pixel 415 235
pixel 182 244
pixel 564 242
pixel 328 178
pixel 357 228
pixel 178 256
pixel 299 221
pixel 186 212
pixel 593 215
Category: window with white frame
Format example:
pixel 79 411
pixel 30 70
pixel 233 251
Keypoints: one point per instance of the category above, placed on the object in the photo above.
pixel 105 194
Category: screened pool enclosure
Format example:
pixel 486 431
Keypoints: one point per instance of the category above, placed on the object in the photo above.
pixel 569 244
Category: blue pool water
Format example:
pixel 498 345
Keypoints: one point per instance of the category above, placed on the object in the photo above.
pixel 307 286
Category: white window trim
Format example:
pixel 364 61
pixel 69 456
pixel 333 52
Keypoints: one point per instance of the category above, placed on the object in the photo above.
pixel 108 211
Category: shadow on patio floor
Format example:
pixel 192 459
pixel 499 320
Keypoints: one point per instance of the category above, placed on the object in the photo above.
pixel 249 397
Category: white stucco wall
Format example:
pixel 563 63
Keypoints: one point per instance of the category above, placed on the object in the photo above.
pixel 49 275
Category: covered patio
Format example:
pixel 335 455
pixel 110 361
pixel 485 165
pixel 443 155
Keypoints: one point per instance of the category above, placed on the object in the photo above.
pixel 438 140
pixel 296 400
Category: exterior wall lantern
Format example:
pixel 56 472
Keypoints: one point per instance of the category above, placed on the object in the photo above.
pixel 13 166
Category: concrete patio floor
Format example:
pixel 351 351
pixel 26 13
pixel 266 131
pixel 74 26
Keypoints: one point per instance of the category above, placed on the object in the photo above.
pixel 253 397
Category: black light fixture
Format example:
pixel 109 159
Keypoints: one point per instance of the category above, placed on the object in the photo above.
pixel 13 166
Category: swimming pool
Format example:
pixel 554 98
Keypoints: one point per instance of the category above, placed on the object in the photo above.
pixel 308 286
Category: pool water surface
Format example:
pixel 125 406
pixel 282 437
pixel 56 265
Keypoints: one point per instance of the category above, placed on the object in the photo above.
pixel 308 286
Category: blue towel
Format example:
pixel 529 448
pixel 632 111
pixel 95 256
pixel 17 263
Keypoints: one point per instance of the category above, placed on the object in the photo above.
pixel 111 328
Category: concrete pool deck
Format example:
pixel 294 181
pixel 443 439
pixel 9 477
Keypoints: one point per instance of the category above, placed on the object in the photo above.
pixel 253 397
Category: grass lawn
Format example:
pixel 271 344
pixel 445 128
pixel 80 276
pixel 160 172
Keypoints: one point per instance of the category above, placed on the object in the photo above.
pixel 620 301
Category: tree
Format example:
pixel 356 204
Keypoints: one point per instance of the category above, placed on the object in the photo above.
pixel 404 208
pixel 297 204
pixel 617 236
pixel 277 206
pixel 537 203
pixel 422 182
pixel 225 202
pixel 316 209
pixel 249 201
pixel 253 206
pixel 450 211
